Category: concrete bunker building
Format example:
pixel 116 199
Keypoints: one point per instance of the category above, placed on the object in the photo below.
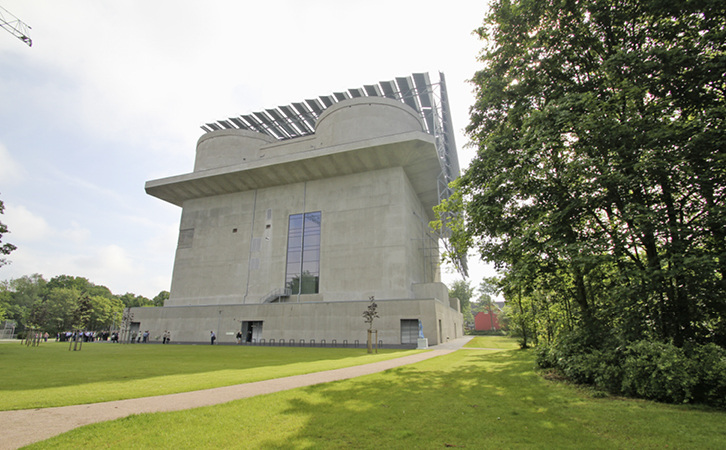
pixel 295 216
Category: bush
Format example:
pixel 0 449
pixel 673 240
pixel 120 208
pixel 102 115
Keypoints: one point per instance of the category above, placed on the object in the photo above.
pixel 609 371
pixel 710 367
pixel 544 357
pixel 658 371
pixel 646 369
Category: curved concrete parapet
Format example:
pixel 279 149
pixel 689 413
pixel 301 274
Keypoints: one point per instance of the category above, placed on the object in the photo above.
pixel 365 118
pixel 229 147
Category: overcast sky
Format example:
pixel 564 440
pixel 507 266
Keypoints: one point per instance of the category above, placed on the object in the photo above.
pixel 112 94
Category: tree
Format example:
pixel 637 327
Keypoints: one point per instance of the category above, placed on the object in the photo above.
pixel 57 311
pixel 131 300
pixel 160 298
pixel 6 248
pixel 460 289
pixel 21 293
pixel 598 185
pixel 368 316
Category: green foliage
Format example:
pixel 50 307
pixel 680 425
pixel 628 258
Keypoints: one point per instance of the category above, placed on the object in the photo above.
pixel 65 302
pixel 710 365
pixel 657 371
pixel 160 298
pixel 452 222
pixel 599 174
pixel 6 248
pixel 370 314
pixel 646 369
pixel 460 289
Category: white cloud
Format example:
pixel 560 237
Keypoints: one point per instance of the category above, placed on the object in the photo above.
pixel 25 225
pixel 11 172
pixel 76 233
pixel 105 260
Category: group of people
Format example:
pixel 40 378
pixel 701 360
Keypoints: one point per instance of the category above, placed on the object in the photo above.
pixel 140 338
pixel 87 336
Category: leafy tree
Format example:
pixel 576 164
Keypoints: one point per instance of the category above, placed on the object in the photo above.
pixel 5 299
pixel 460 289
pixel 598 184
pixel 370 314
pixel 130 300
pixel 62 303
pixel 160 298
pixel 6 248
pixel 58 311
pixel 81 284
pixel 21 293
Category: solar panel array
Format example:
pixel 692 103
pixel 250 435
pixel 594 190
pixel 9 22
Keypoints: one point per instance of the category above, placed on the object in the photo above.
pixel 299 118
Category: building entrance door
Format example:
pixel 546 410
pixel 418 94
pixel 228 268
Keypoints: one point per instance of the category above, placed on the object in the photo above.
pixel 133 332
pixel 251 330
pixel 409 331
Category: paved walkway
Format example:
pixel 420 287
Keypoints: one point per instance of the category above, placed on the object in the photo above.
pixel 24 427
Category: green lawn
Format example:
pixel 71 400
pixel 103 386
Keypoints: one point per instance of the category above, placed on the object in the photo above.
pixel 50 375
pixel 493 342
pixel 470 398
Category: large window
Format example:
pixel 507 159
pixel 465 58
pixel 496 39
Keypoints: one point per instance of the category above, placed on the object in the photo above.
pixel 303 253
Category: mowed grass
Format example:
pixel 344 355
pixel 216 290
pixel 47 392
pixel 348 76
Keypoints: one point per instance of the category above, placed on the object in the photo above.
pixel 50 375
pixel 467 399
pixel 493 342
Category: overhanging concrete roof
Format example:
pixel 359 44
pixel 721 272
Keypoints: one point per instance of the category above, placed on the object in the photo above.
pixel 415 152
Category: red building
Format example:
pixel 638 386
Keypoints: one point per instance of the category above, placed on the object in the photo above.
pixel 486 321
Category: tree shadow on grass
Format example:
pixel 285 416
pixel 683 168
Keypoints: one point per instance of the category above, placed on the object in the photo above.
pixel 469 395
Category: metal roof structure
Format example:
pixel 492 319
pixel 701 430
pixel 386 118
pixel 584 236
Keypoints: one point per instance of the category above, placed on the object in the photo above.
pixel 429 99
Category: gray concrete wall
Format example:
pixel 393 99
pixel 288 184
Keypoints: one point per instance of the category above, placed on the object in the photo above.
pixel 305 320
pixel 374 241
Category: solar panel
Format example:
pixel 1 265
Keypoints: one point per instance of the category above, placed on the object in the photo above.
pixel 307 116
pixel 240 124
pixel 296 120
pixel 316 106
pixel 429 120
pixel 404 86
pixel 389 89
pixel 280 121
pixel 373 90
pixel 270 125
pixel 254 124
pixel 340 96
pixel 356 93
pixel 422 87
pixel 226 124
pixel 327 100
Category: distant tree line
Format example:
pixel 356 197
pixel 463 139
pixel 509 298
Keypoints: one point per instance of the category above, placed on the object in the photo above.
pixel 66 302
